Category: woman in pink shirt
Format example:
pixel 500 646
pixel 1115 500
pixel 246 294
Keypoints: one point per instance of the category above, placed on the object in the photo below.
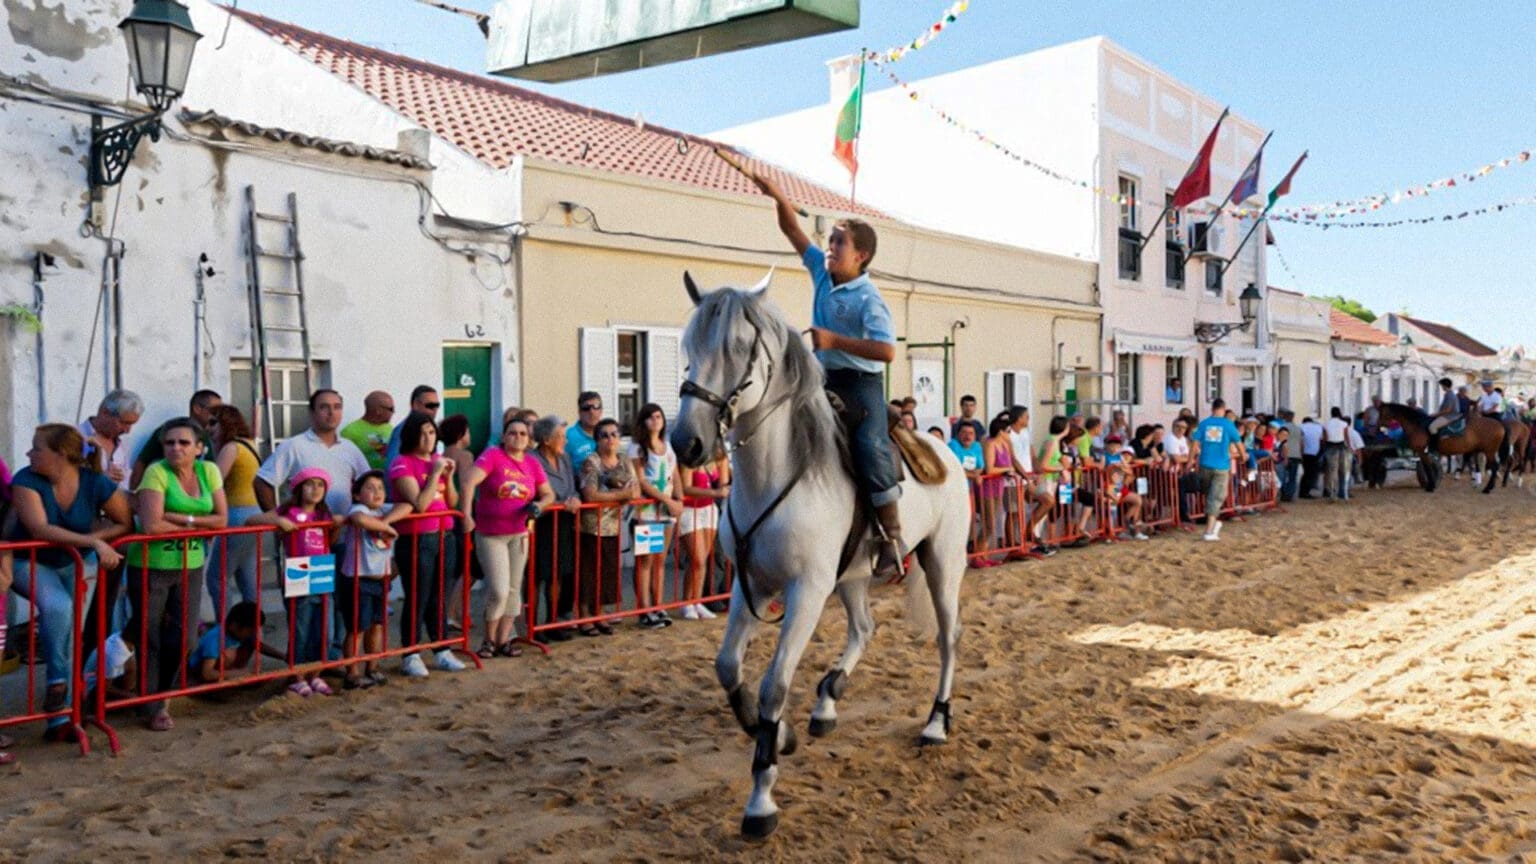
pixel 423 553
pixel 512 489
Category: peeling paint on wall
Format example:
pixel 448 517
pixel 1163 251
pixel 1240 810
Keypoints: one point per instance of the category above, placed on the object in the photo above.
pixel 50 31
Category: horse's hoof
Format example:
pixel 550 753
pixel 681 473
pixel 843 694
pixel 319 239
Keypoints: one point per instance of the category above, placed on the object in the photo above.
pixel 791 741
pixel 822 728
pixel 759 827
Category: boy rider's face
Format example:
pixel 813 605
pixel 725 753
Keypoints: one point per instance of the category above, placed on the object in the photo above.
pixel 844 262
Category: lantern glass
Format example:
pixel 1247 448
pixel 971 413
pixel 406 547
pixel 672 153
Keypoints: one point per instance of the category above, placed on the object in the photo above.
pixel 1248 302
pixel 160 41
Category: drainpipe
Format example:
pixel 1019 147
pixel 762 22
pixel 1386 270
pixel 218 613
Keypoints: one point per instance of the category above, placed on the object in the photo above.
pixel 39 261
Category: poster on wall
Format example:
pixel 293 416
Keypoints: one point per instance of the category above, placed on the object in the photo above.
pixel 928 390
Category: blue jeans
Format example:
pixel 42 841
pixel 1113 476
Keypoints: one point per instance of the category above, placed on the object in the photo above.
pixel 416 557
pixel 243 568
pixel 51 591
pixel 309 619
pixel 1291 476
pixel 863 393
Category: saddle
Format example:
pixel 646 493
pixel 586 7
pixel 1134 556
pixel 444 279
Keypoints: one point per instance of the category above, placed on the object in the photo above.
pixel 1455 427
pixel 915 456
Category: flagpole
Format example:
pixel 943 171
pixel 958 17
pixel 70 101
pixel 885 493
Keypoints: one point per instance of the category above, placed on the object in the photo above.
pixel 1228 200
pixel 858 125
pixel 1144 240
pixel 1256 223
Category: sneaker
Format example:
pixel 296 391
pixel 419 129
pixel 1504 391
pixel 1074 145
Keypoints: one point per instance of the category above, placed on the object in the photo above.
pixel 652 621
pixel 704 613
pixel 691 613
pixel 300 688
pixel 378 678
pixel 413 667
pixel 717 606
pixel 1046 550
pixel 1140 535
pixel 1217 530
pixel 664 619
pixel 446 662
pixel 1211 538
pixel 320 688
pixel 1252 475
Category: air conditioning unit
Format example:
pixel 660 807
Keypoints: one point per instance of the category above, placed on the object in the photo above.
pixel 1204 239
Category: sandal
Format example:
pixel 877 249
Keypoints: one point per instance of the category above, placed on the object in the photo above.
pixel 589 630
pixel 604 628
pixel 508 649
pixel 161 722
pixel 301 688
pixel 488 649
pixel 356 682
pixel 378 678
pixel 61 733
pixel 318 687
pixel 57 698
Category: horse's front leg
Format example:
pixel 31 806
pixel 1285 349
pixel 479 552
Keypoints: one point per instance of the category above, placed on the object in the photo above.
pixel 803 602
pixel 739 627
pixel 861 626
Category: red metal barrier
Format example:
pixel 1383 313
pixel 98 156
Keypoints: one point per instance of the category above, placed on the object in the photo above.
pixel 999 518
pixel 597 570
pixel 109 698
pixel 24 555
pixel 1158 486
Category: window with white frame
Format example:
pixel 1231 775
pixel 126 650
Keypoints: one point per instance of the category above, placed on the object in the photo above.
pixel 1213 385
pixel 1315 397
pixel 1129 245
pixel 1173 381
pixel 630 366
pixel 1128 378
pixel 290 401
pixel 1007 388
pixel 1283 385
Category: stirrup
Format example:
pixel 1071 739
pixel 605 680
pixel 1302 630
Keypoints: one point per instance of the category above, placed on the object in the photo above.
pixel 895 570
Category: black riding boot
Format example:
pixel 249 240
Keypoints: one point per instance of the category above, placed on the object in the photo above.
pixel 891 561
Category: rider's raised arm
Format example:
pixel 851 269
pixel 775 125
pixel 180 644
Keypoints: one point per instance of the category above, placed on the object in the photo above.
pixel 789 220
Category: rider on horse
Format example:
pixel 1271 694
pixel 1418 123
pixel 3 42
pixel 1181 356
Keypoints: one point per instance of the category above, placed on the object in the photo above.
pixel 853 336
pixel 1448 412
pixel 1491 403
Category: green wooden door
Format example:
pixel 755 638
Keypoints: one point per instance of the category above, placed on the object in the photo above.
pixel 467 389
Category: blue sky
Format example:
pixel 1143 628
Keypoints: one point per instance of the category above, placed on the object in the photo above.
pixel 1383 95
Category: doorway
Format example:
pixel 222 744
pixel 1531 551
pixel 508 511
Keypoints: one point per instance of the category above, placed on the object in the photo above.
pixel 467 389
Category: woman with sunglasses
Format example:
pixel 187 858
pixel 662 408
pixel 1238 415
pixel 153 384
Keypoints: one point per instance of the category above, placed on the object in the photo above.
pixel 607 479
pixel 178 494
pixel 512 490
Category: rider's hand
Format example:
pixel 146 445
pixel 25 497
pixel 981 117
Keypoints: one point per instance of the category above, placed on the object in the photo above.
pixel 821 338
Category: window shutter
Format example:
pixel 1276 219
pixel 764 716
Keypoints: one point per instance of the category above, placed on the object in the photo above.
pixel 1024 390
pixel 994 394
pixel 664 369
pixel 599 364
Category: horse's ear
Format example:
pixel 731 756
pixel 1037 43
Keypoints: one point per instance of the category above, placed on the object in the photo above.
pixel 693 288
pixel 761 287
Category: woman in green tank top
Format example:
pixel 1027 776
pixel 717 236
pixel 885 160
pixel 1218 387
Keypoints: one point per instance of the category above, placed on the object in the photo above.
pixel 181 493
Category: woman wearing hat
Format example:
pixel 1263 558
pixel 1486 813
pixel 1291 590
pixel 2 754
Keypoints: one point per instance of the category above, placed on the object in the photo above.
pixel 179 494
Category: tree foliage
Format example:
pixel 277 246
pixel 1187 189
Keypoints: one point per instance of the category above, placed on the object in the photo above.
pixel 1352 307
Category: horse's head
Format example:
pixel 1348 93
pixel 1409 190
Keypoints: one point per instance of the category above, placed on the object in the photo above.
pixel 732 342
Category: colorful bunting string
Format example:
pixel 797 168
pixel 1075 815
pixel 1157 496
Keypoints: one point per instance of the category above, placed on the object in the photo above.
pixel 1322 215
pixel 1369 203
pixel 1315 222
pixel 892 55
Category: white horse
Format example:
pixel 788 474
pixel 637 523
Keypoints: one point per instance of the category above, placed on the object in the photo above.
pixel 754 389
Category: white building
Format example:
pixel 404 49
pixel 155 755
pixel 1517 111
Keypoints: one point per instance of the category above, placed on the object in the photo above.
pixel 1098 116
pixel 1302 333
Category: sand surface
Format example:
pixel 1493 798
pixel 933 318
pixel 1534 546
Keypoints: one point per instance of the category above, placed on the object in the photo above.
pixel 1338 682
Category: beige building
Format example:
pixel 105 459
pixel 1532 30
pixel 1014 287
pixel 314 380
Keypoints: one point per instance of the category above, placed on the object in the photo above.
pixel 1300 328
pixel 605 214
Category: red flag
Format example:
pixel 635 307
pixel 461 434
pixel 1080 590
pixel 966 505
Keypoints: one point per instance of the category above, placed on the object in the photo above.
pixel 1197 180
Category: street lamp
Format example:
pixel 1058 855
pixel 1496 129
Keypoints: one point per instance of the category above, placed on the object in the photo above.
pixel 160 40
pixel 1208 332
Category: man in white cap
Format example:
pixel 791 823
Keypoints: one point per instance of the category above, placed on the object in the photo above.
pixel 1491 403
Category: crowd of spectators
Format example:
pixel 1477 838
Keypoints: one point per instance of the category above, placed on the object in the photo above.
pixel 546 498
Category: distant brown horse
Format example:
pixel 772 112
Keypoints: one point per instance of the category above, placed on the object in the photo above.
pixel 1518 434
pixel 1483 435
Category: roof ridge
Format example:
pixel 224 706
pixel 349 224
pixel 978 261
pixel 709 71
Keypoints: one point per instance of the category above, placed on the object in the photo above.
pixel 460 75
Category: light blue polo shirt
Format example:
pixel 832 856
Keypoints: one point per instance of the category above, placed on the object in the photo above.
pixel 1216 436
pixel 854 309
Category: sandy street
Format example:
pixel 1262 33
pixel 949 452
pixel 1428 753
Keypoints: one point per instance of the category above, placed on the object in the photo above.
pixel 1341 681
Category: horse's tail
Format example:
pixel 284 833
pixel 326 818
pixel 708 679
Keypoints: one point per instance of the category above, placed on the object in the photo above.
pixel 920 613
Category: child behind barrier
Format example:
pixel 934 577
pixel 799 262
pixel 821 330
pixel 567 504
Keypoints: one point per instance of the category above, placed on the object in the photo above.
pixel 305 521
pixel 231 645
pixel 366 567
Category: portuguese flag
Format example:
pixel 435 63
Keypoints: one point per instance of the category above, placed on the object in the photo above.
pixel 848 121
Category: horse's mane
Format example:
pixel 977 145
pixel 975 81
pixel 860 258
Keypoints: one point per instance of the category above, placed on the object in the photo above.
pixel 717 329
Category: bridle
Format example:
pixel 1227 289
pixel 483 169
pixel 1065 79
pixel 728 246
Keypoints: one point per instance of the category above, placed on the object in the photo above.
pixel 726 414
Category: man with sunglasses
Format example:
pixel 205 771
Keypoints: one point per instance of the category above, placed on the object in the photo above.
pixel 371 432
pixel 579 439
pixel 424 400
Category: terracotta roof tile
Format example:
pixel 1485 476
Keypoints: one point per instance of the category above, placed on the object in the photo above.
pixel 1352 329
pixel 495 121
pixel 1452 337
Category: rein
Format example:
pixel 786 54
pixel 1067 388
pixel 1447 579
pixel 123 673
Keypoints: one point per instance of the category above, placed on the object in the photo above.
pixel 726 417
